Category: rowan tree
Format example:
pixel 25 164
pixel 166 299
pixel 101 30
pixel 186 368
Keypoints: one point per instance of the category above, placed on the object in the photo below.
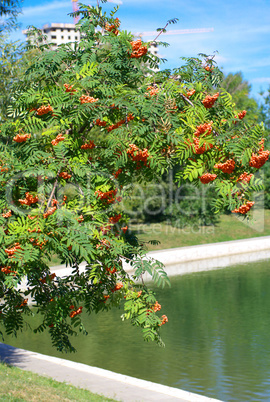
pixel 84 123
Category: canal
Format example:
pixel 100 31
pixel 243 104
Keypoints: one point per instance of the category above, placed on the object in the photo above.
pixel 217 338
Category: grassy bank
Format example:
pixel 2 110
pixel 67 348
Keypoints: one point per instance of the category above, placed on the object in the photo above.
pixel 229 228
pixel 19 385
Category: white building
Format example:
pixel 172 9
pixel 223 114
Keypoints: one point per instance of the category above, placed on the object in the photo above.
pixel 59 33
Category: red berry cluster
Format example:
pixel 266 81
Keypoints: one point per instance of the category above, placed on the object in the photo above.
pixel 243 209
pixel 245 177
pixel 190 93
pixel 58 139
pixel 39 244
pixel 111 270
pixel 115 219
pixel 152 91
pixel 7 214
pixel 108 196
pixel 118 286
pixel 88 99
pixel 207 177
pixel 35 230
pixel 138 50
pixel 202 128
pixel 65 175
pixel 100 123
pixel 121 122
pixel 44 110
pixel 113 28
pixel 7 270
pixel 259 160
pixel 201 149
pixel 138 155
pixel 3 169
pixel 69 88
pixel 21 137
pixel 11 251
pixel 23 303
pixel 209 100
pixel 50 211
pixel 117 173
pixel 29 199
pixel 103 243
pixel 226 167
pixel 242 114
pixel 76 312
pixel 156 307
pixel 90 145
pixel 164 320
pixel 48 277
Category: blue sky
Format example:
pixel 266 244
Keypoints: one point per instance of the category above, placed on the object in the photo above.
pixel 241 32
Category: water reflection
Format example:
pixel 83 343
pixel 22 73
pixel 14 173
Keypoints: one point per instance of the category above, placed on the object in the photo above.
pixel 217 338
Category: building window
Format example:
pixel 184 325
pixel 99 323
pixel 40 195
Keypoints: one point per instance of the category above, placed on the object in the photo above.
pixel 62 37
pixel 76 37
pixel 68 37
pixel 68 30
pixel 53 36
pixel 62 30
pixel 53 29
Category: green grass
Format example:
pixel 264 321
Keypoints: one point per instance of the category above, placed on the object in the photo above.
pixel 19 385
pixel 229 228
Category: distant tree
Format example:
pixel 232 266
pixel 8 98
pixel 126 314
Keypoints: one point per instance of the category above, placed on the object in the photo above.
pixel 10 70
pixel 265 109
pixel 9 9
pixel 240 90
pixel 265 113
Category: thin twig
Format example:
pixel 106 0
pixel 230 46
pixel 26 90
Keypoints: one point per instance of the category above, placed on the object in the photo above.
pixel 84 127
pixel 186 100
pixel 162 30
pixel 53 191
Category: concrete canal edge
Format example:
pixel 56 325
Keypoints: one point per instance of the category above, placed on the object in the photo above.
pixel 178 261
pixel 97 380
pixel 203 257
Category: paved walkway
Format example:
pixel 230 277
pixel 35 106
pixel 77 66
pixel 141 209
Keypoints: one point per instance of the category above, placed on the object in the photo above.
pixel 103 382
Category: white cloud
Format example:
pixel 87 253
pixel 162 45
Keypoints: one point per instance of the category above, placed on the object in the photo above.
pixel 220 60
pixel 115 1
pixel 41 9
pixel 261 80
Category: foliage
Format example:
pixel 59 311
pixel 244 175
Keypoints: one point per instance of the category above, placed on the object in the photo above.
pixel 85 122
pixel 14 61
pixel 240 91
pixel 163 200
pixel 265 109
pixel 9 9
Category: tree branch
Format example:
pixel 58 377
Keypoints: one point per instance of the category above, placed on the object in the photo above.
pixel 162 30
pixel 186 99
pixel 53 191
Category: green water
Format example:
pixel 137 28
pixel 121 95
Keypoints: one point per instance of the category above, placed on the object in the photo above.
pixel 217 338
